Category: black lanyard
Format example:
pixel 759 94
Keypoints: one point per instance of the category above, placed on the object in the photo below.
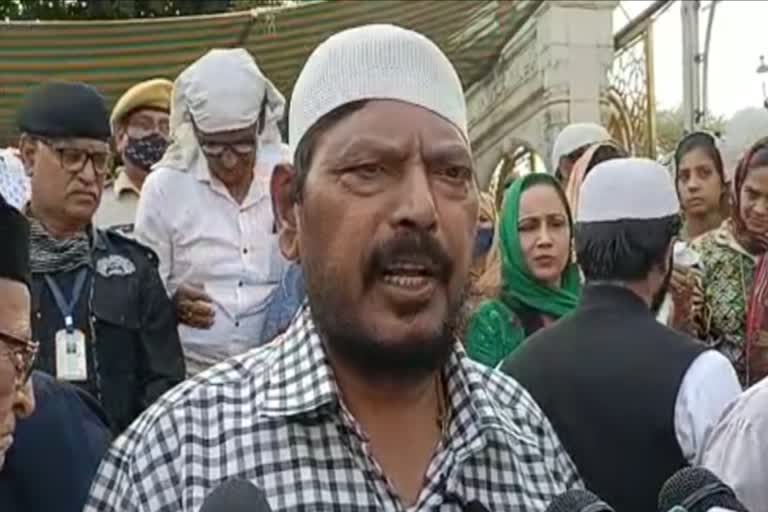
pixel 67 307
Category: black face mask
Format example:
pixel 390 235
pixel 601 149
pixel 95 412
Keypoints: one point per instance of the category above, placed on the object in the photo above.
pixel 146 151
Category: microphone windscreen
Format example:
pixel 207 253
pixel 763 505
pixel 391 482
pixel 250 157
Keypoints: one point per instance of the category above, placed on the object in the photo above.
pixel 474 506
pixel 697 490
pixel 236 496
pixel 578 500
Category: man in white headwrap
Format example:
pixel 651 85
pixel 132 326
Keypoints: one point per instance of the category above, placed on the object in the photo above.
pixel 570 145
pixel 206 208
pixel 367 401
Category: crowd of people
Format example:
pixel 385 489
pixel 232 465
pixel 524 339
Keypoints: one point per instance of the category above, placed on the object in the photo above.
pixel 345 320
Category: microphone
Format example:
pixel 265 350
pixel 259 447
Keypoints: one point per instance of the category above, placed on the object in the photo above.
pixel 697 490
pixel 578 500
pixel 236 496
pixel 474 506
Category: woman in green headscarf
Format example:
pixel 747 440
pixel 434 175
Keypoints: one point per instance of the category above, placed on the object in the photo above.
pixel 539 281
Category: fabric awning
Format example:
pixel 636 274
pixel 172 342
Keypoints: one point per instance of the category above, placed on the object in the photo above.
pixel 113 55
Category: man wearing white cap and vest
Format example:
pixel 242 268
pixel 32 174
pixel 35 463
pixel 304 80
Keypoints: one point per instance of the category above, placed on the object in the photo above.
pixel 367 401
pixel 632 400
pixel 139 123
pixel 206 208
pixel 571 143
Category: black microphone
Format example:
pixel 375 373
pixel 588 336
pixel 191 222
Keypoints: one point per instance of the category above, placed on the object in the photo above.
pixel 473 506
pixel 578 500
pixel 236 496
pixel 697 490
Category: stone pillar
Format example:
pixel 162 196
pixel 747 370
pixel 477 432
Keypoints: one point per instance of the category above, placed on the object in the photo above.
pixel 552 72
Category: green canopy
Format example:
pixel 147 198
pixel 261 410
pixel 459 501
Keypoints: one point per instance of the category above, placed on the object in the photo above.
pixel 114 55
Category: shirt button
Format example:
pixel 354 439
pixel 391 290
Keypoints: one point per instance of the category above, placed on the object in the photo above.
pixel 237 324
pixel 240 284
pixel 245 250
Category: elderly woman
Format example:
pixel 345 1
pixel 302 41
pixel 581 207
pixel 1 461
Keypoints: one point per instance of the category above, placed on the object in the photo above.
pixel 539 281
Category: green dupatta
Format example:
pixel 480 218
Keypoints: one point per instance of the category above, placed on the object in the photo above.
pixel 494 330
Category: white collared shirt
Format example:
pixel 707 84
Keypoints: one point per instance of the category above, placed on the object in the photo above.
pixel 202 235
pixel 708 386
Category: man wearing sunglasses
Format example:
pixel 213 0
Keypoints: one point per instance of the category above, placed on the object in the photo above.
pixel 100 310
pixel 206 208
pixel 47 458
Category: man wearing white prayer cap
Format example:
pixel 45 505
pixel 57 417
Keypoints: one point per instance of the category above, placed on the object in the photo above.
pixel 571 143
pixel 206 208
pixel 367 401
pixel 632 400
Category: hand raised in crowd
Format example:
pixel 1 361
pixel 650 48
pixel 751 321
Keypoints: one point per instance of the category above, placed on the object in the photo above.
pixel 681 287
pixel 194 307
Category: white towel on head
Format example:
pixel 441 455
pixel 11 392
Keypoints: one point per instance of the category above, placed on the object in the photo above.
pixel 375 62
pixel 223 90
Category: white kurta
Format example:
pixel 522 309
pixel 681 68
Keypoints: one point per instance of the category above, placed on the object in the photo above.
pixel 737 450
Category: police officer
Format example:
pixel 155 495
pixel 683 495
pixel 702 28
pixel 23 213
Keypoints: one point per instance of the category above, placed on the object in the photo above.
pixel 99 309
pixel 139 124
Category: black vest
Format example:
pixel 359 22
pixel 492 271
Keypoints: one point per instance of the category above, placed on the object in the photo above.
pixel 607 377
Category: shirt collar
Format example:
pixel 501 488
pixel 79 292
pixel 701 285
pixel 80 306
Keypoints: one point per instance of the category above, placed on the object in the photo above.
pixel 259 185
pixel 291 391
pixel 123 184
pixel 294 389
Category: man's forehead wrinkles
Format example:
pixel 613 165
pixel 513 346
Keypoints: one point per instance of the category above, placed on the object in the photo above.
pixel 371 143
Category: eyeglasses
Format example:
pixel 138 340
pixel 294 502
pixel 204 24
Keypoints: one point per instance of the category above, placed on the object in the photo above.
pixel 240 149
pixel 74 160
pixel 21 352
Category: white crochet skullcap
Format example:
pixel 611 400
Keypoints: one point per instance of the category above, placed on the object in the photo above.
pixel 627 188
pixel 375 62
pixel 575 136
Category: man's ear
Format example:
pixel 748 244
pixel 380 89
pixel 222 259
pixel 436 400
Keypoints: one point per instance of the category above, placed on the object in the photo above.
pixel 29 152
pixel 281 187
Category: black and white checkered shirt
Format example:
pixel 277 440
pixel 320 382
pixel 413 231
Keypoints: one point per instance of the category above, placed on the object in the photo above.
pixel 273 416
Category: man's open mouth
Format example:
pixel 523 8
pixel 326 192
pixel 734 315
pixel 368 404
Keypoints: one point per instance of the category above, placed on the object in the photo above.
pixel 409 274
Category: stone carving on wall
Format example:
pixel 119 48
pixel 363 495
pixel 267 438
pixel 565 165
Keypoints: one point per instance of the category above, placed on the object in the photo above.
pixel 518 64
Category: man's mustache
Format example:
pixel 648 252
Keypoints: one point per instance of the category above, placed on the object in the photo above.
pixel 412 246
